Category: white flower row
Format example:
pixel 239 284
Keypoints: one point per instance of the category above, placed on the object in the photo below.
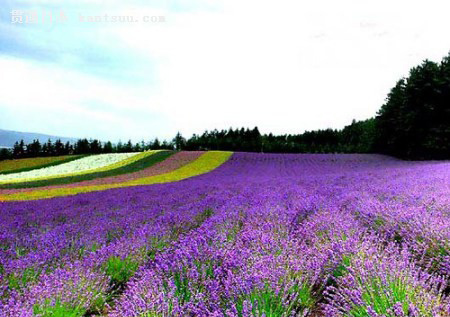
pixel 81 165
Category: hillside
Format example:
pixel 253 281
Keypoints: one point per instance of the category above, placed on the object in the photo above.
pixel 8 138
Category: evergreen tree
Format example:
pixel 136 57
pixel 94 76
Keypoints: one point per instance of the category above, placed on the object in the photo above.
pixel 128 147
pixel 68 148
pixel 82 146
pixel 414 123
pixel 108 147
pixel 167 145
pixel 50 149
pixel 95 147
pixel 120 147
pixel 179 142
pixel 34 149
pixel 5 154
pixel 156 145
pixel 18 149
pixel 59 147
pixel 137 148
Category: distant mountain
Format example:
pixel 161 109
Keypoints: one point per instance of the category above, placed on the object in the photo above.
pixel 8 138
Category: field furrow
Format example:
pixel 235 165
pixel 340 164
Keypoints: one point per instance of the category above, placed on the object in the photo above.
pixel 251 235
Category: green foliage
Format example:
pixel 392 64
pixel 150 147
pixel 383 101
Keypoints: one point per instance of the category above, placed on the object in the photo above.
pixel 5 154
pixel 342 268
pixel 201 217
pixel 58 309
pixel 179 141
pixel 266 302
pixel 120 270
pixel 82 251
pixel 151 314
pixel 21 251
pixel 179 228
pixel 113 234
pixel 436 254
pixel 382 296
pixel 19 281
pixel 182 291
pixel 378 222
pixel 81 146
pixel 205 269
pixel 358 137
pixel 234 231
pixel 226 140
pixel 414 121
pixel 156 244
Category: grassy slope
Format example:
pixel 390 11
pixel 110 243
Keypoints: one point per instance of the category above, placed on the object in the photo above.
pixel 130 165
pixel 28 164
pixel 204 164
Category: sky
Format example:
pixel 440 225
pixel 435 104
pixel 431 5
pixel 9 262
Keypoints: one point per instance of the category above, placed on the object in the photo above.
pixel 191 65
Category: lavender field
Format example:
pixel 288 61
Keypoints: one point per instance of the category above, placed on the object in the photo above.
pixel 262 235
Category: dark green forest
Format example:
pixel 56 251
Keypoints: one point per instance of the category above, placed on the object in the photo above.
pixel 414 124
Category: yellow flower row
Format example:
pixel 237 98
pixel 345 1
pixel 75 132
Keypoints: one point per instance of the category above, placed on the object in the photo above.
pixel 205 163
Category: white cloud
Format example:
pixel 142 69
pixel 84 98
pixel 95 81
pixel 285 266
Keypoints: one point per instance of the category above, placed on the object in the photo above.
pixel 56 101
pixel 285 66
pixel 261 63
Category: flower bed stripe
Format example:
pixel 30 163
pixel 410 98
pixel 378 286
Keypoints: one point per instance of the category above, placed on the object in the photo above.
pixel 129 165
pixel 170 163
pixel 28 164
pixel 86 164
pixel 204 164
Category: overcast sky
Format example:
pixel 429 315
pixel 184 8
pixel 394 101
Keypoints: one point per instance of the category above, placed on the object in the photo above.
pixel 284 66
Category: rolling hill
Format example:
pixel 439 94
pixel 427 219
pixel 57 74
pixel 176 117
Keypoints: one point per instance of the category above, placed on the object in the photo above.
pixel 8 138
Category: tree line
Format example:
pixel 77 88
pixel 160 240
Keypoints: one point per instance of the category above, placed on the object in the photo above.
pixel 354 138
pixel 81 146
pixel 414 123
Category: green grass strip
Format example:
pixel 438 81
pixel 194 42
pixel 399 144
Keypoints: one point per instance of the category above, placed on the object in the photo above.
pixel 143 161
pixel 7 167
pixel 204 164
